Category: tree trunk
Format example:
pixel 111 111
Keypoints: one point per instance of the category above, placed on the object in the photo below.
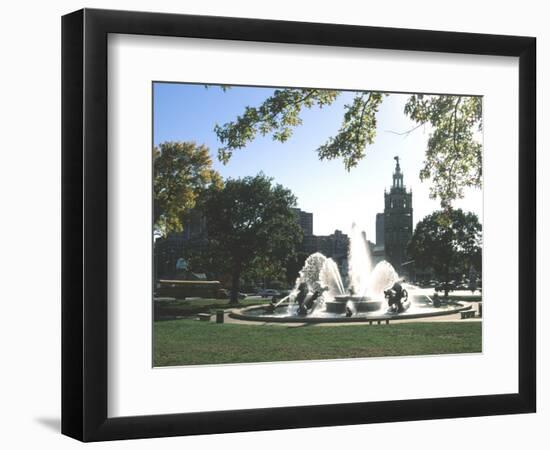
pixel 235 286
pixel 447 276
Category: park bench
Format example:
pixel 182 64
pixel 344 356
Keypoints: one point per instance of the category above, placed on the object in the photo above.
pixel 204 317
pixel 467 314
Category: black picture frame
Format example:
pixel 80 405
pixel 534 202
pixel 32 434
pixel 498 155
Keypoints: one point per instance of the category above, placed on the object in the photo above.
pixel 84 224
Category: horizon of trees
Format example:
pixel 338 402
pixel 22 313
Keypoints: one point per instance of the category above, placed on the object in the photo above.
pixel 184 180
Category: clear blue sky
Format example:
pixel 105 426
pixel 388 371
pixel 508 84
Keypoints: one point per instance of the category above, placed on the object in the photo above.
pixel 188 112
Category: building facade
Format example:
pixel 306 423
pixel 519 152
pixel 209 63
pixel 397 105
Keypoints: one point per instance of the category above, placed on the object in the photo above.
pixel 380 230
pixel 398 222
pixel 305 220
pixel 169 250
pixel 333 246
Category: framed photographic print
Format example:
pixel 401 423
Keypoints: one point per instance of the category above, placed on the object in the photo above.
pixel 273 224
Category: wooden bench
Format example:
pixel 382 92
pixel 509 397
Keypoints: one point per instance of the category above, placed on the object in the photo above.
pixel 467 314
pixel 204 317
pixel 379 322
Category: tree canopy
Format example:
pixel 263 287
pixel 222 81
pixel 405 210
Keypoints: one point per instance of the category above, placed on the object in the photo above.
pixel 447 241
pixel 452 159
pixel 181 172
pixel 251 228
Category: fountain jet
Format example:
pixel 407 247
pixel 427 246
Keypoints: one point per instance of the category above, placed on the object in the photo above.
pixel 320 284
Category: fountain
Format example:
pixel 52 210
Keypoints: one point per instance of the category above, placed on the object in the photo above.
pixel 320 295
pixel 366 286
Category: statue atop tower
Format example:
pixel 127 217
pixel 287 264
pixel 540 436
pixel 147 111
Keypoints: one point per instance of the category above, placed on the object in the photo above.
pixel 397 175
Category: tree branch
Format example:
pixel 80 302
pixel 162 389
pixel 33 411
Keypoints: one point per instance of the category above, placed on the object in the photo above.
pixel 405 133
pixel 273 115
pixel 363 114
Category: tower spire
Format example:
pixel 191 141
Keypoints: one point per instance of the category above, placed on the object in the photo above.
pixel 397 175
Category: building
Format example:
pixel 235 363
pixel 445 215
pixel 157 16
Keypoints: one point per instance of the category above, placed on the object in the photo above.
pixel 305 220
pixel 377 251
pixel 398 222
pixel 380 230
pixel 169 250
pixel 378 255
pixel 333 246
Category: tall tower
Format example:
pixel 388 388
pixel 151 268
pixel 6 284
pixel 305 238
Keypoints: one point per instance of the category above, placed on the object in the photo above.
pixel 398 221
pixel 380 229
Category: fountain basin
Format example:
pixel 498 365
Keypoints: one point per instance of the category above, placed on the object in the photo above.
pixel 360 303
pixel 286 314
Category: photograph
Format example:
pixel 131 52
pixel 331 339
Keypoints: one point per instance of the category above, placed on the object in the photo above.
pixel 302 223
pixel 275 225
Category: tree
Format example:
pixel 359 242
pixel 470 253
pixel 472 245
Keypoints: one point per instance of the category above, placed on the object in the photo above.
pixel 181 172
pixel 453 156
pixel 251 227
pixel 294 265
pixel 446 241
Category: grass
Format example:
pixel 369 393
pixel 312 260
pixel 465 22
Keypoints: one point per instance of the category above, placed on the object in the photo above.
pixel 169 309
pixel 189 342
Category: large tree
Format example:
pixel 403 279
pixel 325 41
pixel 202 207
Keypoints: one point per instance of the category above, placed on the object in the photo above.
pixel 250 226
pixel 181 172
pixel 447 241
pixel 453 157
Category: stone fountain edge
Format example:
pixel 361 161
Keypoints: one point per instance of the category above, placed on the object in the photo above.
pixel 299 319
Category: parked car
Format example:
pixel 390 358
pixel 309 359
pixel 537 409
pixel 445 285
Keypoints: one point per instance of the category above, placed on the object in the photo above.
pixel 269 293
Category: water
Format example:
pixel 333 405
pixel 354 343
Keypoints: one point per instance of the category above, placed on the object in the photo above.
pixel 420 307
pixel 330 278
pixel 359 263
pixel 383 277
pixel 321 275
pixel 311 272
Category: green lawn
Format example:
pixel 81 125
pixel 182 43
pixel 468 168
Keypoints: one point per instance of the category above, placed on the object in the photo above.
pixel 187 342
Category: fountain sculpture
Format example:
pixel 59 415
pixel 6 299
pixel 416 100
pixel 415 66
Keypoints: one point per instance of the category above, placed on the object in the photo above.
pixel 320 294
pixel 319 284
